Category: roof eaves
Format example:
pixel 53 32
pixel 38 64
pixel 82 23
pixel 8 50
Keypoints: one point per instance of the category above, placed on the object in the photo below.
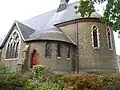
pixel 29 40
pixel 74 20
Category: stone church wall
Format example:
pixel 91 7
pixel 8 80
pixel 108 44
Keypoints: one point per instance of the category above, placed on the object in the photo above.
pixel 91 59
pixel 69 30
pixel 13 63
pixel 58 65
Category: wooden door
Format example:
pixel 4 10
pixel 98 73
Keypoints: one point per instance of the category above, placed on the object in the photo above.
pixel 34 60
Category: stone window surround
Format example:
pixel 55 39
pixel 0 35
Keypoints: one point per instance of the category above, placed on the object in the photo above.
pixel 58 50
pixel 18 45
pixel 48 50
pixel 98 37
pixel 109 30
pixel 68 52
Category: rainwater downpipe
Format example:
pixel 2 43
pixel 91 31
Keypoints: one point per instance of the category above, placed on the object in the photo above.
pixel 77 48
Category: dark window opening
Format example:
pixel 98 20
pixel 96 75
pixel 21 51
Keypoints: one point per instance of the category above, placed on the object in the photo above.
pixel 68 52
pixel 95 38
pixel 48 50
pixel 58 50
pixel 109 39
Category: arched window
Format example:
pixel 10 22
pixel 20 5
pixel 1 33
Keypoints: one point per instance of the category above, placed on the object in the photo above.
pixel 109 39
pixel 68 51
pixel 13 44
pixel 58 50
pixel 48 50
pixel 95 37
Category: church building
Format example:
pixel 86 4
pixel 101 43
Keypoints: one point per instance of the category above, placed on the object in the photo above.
pixel 62 41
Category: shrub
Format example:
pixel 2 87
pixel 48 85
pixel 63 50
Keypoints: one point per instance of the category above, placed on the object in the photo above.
pixel 92 81
pixel 12 82
pixel 50 86
pixel 42 79
pixel 4 70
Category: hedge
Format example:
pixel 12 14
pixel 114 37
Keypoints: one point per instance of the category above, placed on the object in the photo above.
pixel 92 81
pixel 43 79
pixel 12 81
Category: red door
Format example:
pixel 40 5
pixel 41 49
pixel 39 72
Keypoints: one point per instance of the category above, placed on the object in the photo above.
pixel 34 58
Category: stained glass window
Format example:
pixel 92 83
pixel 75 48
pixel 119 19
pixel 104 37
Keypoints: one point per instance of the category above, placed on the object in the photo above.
pixel 95 37
pixel 12 47
pixel 109 40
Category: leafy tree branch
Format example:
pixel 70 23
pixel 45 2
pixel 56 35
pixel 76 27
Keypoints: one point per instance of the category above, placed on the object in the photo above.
pixel 111 14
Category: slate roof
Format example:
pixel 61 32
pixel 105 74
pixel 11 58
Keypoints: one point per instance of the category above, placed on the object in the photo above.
pixel 42 27
pixel 25 30
pixel 47 20
pixel 53 33
pixel 41 21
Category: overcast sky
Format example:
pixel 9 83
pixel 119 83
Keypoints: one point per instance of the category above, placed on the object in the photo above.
pixel 20 10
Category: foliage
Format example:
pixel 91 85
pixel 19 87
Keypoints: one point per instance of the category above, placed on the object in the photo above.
pixel 50 86
pixel 42 79
pixel 92 81
pixel 83 10
pixel 111 14
pixel 4 70
pixel 12 82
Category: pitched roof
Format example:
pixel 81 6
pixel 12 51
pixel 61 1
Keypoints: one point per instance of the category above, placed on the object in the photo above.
pixel 53 17
pixel 53 33
pixel 42 27
pixel 39 22
pixel 24 31
pixel 47 21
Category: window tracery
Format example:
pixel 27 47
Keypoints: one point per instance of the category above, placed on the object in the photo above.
pixel 13 46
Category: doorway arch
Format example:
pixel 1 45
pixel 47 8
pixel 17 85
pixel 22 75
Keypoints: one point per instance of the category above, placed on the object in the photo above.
pixel 34 58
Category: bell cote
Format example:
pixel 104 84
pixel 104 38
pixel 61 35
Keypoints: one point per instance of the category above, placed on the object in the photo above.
pixel 63 5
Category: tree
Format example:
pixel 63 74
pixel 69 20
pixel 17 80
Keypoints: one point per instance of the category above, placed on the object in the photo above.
pixel 111 14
